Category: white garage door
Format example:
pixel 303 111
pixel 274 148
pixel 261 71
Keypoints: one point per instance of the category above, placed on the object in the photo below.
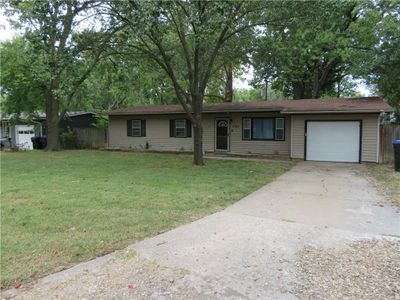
pixel 333 141
pixel 24 133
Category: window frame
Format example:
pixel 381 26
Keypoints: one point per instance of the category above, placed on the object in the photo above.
pixel 249 128
pixel 185 128
pixel 282 128
pixel 140 127
pixel 274 129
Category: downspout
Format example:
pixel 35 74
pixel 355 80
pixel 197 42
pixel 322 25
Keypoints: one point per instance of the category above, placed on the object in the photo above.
pixel 378 136
pixel 291 136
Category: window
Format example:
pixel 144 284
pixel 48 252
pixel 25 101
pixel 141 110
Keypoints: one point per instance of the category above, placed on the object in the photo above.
pixel 279 129
pixel 180 128
pixel 136 128
pixel 263 129
pixel 246 129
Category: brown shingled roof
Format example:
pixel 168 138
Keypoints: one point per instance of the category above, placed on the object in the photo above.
pixel 345 105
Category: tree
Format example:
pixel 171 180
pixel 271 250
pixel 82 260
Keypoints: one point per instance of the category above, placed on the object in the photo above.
pixel 16 77
pixel 195 31
pixel 312 53
pixel 256 94
pixel 387 70
pixel 58 35
pixel 380 65
pixel 125 80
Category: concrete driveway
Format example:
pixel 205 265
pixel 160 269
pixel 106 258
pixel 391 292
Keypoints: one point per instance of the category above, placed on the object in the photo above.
pixel 246 251
pixel 323 194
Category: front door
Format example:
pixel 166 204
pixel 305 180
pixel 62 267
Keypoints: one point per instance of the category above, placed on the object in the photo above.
pixel 222 134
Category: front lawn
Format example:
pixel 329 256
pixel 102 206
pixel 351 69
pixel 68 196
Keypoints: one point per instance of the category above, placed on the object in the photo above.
pixel 61 208
pixel 388 179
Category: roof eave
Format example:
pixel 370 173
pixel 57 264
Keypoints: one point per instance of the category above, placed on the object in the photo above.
pixel 336 111
pixel 204 112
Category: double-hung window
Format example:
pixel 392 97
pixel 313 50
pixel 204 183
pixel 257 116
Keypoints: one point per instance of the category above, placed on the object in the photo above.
pixel 180 128
pixel 136 127
pixel 263 129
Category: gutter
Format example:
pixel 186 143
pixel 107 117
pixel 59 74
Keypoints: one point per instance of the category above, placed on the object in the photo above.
pixel 333 112
pixel 253 111
pixel 182 112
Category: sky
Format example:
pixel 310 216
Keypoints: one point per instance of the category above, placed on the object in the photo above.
pixel 7 33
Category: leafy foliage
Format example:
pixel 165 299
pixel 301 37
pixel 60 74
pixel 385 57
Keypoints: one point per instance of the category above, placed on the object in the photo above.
pixel 383 62
pixel 74 55
pixel 256 94
pixel 120 81
pixel 311 55
pixel 18 88
pixel 186 40
pixel 57 38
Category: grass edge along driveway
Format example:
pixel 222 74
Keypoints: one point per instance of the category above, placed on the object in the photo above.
pixel 58 209
pixel 388 179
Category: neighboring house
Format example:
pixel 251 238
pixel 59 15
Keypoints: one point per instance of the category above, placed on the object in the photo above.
pixel 343 130
pixel 19 129
pixel 78 119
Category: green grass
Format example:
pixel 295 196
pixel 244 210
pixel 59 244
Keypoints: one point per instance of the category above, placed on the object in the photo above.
pixel 388 178
pixel 61 208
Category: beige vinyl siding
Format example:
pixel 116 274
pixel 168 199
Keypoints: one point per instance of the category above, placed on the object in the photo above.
pixel 157 134
pixel 369 133
pixel 240 146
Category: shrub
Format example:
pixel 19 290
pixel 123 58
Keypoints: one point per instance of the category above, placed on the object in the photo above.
pixel 68 139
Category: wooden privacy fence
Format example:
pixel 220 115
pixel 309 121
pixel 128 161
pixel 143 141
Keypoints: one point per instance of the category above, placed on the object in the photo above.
pixel 91 137
pixel 388 133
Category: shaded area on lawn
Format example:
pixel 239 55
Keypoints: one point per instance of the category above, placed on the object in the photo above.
pixel 65 207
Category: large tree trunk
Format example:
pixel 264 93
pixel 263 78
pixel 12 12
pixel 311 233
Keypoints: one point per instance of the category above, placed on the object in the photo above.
pixel 308 93
pixel 266 89
pixel 229 83
pixel 298 91
pixel 52 121
pixel 198 144
pixel 338 90
pixel 197 108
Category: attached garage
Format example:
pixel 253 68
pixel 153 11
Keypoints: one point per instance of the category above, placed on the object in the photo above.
pixel 338 141
pixel 336 137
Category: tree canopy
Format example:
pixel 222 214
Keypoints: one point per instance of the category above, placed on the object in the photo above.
pixel 106 54
pixel 187 40
pixel 61 48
